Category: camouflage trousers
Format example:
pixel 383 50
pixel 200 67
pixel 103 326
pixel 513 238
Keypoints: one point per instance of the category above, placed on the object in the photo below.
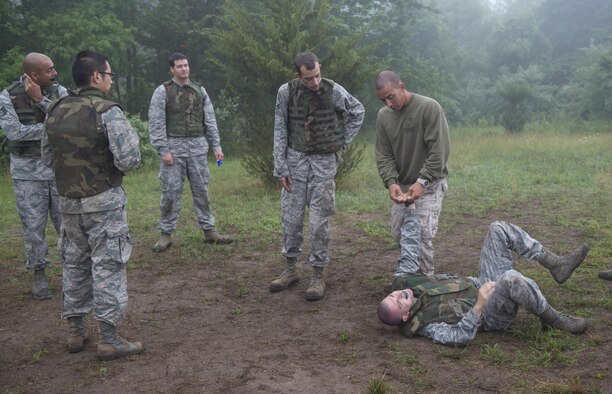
pixel 416 244
pixel 319 197
pixel 172 179
pixel 512 289
pixel 96 249
pixel 36 201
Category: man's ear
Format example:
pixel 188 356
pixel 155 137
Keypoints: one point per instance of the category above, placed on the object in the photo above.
pixel 296 74
pixel 405 316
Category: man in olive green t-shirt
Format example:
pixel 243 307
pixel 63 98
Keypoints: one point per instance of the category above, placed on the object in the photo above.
pixel 412 149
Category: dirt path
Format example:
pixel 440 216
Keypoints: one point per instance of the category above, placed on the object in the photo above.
pixel 213 326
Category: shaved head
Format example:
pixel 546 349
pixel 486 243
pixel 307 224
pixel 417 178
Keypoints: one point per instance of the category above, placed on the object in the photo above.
pixel 385 77
pixel 34 61
pixel 389 313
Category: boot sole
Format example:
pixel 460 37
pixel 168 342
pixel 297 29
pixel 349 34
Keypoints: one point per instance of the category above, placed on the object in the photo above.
pixel 275 289
pixel 114 356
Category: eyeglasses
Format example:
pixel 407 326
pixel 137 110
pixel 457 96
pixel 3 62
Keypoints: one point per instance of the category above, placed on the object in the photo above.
pixel 105 73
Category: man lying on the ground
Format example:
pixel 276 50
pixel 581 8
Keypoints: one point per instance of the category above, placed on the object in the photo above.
pixel 450 310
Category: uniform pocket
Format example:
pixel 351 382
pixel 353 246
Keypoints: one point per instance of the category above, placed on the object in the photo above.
pixel 118 244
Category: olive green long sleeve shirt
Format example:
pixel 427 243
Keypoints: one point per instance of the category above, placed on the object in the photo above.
pixel 413 142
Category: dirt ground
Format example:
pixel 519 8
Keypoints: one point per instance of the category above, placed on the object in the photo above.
pixel 212 326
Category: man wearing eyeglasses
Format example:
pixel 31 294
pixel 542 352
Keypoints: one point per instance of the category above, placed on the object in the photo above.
pixel 314 118
pixel 90 145
pixel 450 310
pixel 23 106
pixel 181 116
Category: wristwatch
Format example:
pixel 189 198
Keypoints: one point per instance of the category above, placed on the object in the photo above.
pixel 423 182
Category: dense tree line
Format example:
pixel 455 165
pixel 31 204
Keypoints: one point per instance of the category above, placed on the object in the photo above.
pixel 504 62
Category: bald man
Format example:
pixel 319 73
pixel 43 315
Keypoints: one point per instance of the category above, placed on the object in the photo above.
pixel 412 149
pixel 23 106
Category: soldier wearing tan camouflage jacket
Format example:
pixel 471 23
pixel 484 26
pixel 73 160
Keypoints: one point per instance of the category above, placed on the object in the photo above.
pixel 90 145
pixel 314 118
pixel 181 114
pixel 23 106
pixel 450 310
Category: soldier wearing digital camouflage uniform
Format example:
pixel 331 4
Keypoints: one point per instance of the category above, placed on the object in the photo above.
pixel 23 106
pixel 180 115
pixel 90 144
pixel 314 119
pixel 450 310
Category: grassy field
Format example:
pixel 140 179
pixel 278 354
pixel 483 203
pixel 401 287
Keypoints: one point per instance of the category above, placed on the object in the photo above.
pixel 557 178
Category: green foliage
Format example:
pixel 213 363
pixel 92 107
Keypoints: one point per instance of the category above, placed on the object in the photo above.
pixel 255 68
pixel 148 154
pixel 493 354
pixel 378 386
pixel 515 115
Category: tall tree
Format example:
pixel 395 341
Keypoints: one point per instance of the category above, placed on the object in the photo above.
pixel 254 47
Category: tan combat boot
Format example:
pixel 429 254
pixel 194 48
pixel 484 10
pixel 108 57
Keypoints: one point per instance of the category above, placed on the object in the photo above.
pixel 562 267
pixel 40 289
pixel 211 236
pixel 164 242
pixel 289 277
pixel 112 346
pixel 553 318
pixel 316 291
pixel 77 334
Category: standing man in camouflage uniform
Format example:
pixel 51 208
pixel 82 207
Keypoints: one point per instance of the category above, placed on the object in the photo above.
pixel 23 106
pixel 449 310
pixel 314 118
pixel 412 149
pixel 90 144
pixel 180 114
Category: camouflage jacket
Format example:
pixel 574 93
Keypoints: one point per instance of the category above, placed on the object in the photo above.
pixel 314 124
pixel 123 144
pixel 30 168
pixel 443 310
pixel 182 146
pixel 291 162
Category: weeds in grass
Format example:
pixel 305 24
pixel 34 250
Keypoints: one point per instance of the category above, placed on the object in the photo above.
pixel 343 337
pixel 39 355
pixel 452 353
pixel 100 372
pixel 493 354
pixel 546 348
pixel 378 386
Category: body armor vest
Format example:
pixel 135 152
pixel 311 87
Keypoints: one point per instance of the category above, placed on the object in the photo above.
pixel 184 110
pixel 28 114
pixel 441 299
pixel 83 161
pixel 314 124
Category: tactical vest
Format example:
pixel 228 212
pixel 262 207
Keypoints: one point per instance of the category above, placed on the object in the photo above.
pixel 184 110
pixel 314 124
pixel 83 161
pixel 440 299
pixel 28 114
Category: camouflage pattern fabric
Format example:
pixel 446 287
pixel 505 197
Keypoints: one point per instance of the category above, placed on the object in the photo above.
pixel 314 125
pixel 36 201
pixel 172 179
pixel 34 185
pixel 79 144
pixel 95 236
pixel 512 289
pixel 184 110
pixel 181 147
pixel 190 161
pixel 96 249
pixel 313 178
pixel 445 301
pixel 427 209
